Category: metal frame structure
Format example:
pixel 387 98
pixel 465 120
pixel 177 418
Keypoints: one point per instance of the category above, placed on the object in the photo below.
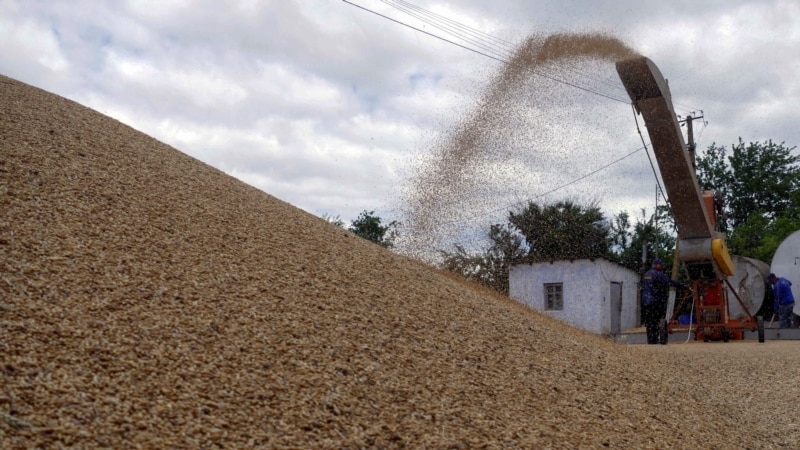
pixel 702 247
pixel 712 313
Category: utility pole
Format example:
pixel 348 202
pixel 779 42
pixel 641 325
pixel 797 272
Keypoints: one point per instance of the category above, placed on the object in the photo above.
pixel 690 147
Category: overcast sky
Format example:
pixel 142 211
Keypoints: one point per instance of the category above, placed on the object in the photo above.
pixel 332 108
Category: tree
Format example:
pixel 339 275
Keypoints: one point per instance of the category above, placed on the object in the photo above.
pixel 760 182
pixel 713 171
pixel 760 177
pixel 620 232
pixel 765 177
pixel 629 240
pixel 759 237
pixel 491 267
pixel 562 230
pixel 368 226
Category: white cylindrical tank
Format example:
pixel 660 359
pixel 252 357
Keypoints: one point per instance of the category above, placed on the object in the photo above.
pixel 749 282
pixel 786 263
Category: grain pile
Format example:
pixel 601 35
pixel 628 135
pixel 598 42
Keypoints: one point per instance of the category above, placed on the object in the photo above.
pixel 149 300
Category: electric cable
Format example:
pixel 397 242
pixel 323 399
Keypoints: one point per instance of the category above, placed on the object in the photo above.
pixel 700 134
pixel 507 47
pixel 514 205
pixel 499 59
pixel 489 46
pixel 456 23
pixel 488 43
pixel 652 165
pixel 456 28
pixel 489 40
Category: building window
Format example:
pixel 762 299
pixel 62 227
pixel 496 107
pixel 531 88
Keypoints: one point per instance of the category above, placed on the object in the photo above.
pixel 554 296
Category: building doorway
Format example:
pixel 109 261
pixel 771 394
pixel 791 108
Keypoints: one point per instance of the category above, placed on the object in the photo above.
pixel 616 307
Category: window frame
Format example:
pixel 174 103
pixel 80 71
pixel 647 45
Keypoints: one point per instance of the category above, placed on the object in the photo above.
pixel 553 300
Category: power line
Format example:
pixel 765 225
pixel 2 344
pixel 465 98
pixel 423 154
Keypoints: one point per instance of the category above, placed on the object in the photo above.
pixel 479 52
pixel 652 165
pixel 443 23
pixel 499 49
pixel 488 46
pixel 439 21
pixel 558 188
pixel 699 135
pixel 475 31
pixel 593 172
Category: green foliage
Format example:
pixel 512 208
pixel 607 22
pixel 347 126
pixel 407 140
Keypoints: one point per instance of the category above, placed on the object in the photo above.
pixel 759 237
pixel 491 267
pixel 713 171
pixel 620 232
pixel 507 244
pixel 369 227
pixel 764 177
pixel 471 267
pixel 759 176
pixel 562 230
pixel 628 241
pixel 761 184
pixel 714 174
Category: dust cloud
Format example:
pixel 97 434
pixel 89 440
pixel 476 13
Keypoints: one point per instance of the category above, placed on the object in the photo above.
pixel 505 149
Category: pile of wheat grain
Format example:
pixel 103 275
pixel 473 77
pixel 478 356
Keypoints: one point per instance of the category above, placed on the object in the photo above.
pixel 149 300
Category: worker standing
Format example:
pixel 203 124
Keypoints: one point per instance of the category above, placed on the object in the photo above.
pixel 784 300
pixel 655 290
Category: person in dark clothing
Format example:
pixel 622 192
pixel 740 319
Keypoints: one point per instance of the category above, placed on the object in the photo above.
pixel 655 291
pixel 784 300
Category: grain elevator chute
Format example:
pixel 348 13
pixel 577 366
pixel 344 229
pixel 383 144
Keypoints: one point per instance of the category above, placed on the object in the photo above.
pixel 702 247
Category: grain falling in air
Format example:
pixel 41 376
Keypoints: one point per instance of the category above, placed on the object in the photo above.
pixel 519 126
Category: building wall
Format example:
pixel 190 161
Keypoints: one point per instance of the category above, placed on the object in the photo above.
pixel 586 288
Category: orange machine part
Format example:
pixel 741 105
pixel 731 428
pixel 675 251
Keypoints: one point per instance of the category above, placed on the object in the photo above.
pixel 713 296
pixel 708 200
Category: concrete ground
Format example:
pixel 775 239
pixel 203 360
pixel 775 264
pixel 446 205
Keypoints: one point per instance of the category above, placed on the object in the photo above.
pixel 771 333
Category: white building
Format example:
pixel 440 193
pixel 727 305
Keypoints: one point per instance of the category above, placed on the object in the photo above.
pixel 596 295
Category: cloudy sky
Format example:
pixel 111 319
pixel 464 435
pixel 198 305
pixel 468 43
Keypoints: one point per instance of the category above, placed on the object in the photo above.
pixel 334 109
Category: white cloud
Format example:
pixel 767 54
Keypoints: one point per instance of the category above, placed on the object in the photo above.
pixel 30 42
pixel 293 89
pixel 201 87
pixel 329 107
pixel 158 8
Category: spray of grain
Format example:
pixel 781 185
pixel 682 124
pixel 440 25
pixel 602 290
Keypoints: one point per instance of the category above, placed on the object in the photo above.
pixel 472 166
